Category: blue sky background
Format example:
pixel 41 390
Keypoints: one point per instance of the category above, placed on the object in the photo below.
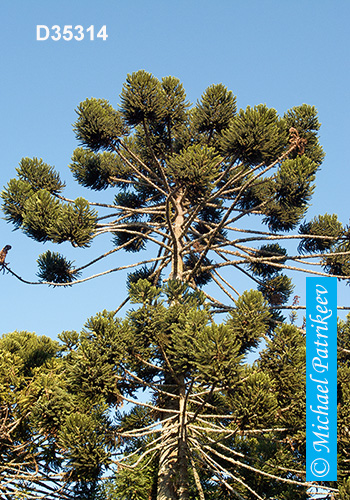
pixel 275 52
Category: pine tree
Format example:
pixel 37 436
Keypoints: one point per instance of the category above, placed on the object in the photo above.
pixel 185 179
pixel 55 442
pixel 240 428
pixel 26 455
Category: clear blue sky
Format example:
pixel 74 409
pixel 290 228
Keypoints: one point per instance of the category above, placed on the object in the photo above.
pixel 275 52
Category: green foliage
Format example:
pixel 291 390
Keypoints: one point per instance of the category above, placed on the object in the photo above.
pixel 43 217
pixel 272 454
pixel 268 251
pixel 249 319
pixel 129 484
pixel 69 339
pixel 144 273
pixel 76 223
pixel 248 416
pixel 195 168
pixel 211 213
pixel 26 360
pixel 304 119
pixel 327 235
pixel 255 136
pixel 47 425
pixel 41 211
pixel 92 370
pixel 284 360
pixel 175 102
pixel 142 291
pixel 214 112
pixel 254 402
pixel 49 401
pixel 97 170
pixel 277 290
pixel 132 240
pixel 129 200
pixel 338 265
pixel 200 277
pixel 54 268
pixel 142 99
pixel 344 490
pixel 133 481
pixel 324 226
pixel 14 198
pixel 39 175
pixel 217 355
pixel 30 350
pixel 293 190
pixel 84 435
pixel 98 126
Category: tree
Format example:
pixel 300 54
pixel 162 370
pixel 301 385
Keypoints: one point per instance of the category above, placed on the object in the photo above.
pixel 208 400
pixel 26 454
pixel 241 427
pixel 186 178
pixel 46 424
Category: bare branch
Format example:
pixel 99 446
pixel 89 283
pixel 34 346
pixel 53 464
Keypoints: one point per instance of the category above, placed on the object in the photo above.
pixel 157 259
pixel 138 173
pixel 197 479
pixel 227 473
pixel 221 286
pixel 135 433
pixel 153 386
pixel 263 473
pixel 146 405
pixel 141 163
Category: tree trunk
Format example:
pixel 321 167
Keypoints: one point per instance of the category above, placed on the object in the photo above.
pixel 177 258
pixel 182 460
pixel 173 476
pixel 173 462
pixel 167 465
